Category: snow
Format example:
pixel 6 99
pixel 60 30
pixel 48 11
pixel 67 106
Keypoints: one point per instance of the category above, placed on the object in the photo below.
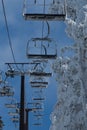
pixel 70 111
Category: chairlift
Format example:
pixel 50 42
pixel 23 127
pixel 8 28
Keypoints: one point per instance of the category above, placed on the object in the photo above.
pixel 41 48
pixel 11 73
pixel 15 119
pixel 6 91
pixel 38 79
pixel 38 109
pixel 11 105
pixel 10 94
pixel 13 113
pixel 44 10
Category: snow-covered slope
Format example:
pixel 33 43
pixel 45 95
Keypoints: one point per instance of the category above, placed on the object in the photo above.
pixel 70 112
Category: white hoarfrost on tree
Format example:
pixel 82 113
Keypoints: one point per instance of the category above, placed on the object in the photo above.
pixel 70 111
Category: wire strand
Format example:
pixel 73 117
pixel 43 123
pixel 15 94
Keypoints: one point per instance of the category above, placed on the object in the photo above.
pixel 10 43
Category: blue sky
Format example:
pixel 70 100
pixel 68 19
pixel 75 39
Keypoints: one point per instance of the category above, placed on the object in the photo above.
pixel 20 32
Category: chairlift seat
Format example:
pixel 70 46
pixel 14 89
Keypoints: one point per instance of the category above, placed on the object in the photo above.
pixel 49 17
pixel 15 119
pixel 38 99
pixel 39 83
pixel 37 124
pixel 40 74
pixel 7 91
pixel 42 56
pixel 13 113
pixel 11 105
pixel 10 94
pixel 2 94
pixel 38 86
pixel 6 94
pixel 37 108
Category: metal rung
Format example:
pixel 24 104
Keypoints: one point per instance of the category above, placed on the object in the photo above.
pixel 59 17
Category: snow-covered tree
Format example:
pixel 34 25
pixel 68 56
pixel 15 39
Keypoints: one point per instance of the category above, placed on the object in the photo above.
pixel 70 112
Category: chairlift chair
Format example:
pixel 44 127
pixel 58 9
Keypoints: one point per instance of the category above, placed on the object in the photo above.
pixel 2 92
pixel 41 48
pixel 6 91
pixel 38 117
pixel 44 10
pixel 11 73
pixel 11 105
pixel 10 94
pixel 38 109
pixel 15 119
pixel 13 113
